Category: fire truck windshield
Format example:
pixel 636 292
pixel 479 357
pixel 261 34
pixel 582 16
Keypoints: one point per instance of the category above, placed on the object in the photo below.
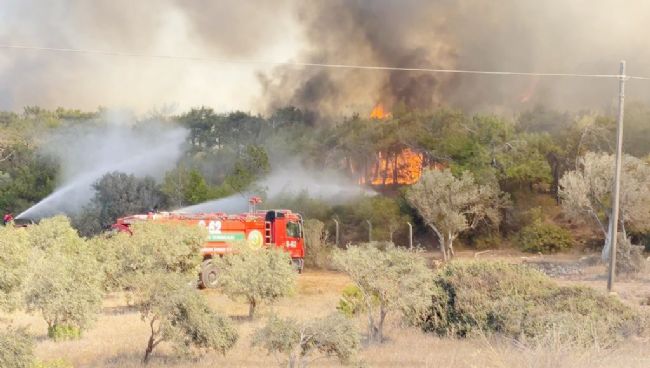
pixel 293 229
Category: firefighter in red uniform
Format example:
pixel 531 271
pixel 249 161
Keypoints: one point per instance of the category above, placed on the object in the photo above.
pixel 8 218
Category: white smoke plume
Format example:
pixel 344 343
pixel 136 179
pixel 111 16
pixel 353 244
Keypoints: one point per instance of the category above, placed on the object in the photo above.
pixel 291 180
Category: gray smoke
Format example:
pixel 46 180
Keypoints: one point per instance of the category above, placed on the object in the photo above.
pixel 555 36
pixel 87 151
pixel 203 28
pixel 578 36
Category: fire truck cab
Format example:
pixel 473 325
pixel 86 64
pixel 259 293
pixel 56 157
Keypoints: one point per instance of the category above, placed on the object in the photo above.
pixel 270 228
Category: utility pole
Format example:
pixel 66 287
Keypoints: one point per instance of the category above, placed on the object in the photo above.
pixel 617 178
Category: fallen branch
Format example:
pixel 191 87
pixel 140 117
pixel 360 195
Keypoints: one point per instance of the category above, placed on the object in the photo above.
pixel 482 252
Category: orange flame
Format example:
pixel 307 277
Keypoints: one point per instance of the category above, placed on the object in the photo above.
pixel 378 112
pixel 391 168
pixel 402 168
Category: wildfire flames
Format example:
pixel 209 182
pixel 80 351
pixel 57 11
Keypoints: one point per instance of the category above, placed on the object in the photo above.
pixel 402 167
pixel 378 112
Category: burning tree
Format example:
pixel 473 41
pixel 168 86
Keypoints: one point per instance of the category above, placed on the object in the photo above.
pixel 380 150
pixel 450 205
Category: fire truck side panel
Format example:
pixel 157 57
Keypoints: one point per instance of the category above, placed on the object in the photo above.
pixel 224 230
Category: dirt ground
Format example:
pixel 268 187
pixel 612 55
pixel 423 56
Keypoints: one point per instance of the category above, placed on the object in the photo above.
pixel 118 338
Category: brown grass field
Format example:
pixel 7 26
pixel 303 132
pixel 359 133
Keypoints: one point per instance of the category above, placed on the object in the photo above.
pixel 118 338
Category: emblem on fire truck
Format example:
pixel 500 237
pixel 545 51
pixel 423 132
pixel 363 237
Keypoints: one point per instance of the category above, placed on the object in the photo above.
pixel 255 238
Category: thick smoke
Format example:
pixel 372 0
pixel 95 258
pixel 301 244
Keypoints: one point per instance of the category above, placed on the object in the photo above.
pixel 555 36
pixel 114 143
pixel 382 32
pixel 579 36
pixel 201 28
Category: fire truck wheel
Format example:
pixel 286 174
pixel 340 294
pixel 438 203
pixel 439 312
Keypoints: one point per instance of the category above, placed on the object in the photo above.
pixel 298 264
pixel 209 275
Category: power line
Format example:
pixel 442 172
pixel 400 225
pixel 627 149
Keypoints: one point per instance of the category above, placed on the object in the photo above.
pixel 315 65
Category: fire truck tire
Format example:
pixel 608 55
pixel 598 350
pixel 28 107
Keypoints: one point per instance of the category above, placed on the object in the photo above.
pixel 209 275
pixel 298 264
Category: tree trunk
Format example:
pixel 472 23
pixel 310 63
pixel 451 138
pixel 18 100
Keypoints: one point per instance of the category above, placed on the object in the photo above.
pixel 604 255
pixel 380 327
pixel 366 174
pixel 292 361
pixel 151 344
pixel 395 169
pixel 251 309
pixel 450 246
pixel 443 249
pixel 147 352
pixel 372 330
pixel 441 242
pixel 385 173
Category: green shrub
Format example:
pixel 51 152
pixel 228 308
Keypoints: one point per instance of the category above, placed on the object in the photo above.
pixel 14 260
pixel 318 252
pixel 16 348
pixel 63 332
pixel 491 240
pixel 629 257
pixel 256 275
pixel 521 303
pixel 153 247
pixel 333 335
pixel 389 279
pixel 177 313
pixel 543 237
pixel 351 302
pixel 64 281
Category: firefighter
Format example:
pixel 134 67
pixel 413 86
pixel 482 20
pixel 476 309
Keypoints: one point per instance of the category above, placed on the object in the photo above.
pixel 7 218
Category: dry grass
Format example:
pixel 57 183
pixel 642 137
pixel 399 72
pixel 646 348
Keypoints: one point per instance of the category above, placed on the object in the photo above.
pixel 118 339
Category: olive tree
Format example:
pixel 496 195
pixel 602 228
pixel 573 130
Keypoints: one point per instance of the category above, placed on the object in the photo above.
pixel 293 343
pixel 157 263
pixel 257 275
pixel 178 313
pixel 64 280
pixel 16 348
pixel 450 205
pixel 149 247
pixel 586 193
pixel 393 279
pixel 14 257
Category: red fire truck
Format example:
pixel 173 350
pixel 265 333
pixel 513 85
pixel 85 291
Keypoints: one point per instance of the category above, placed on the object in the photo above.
pixel 271 228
